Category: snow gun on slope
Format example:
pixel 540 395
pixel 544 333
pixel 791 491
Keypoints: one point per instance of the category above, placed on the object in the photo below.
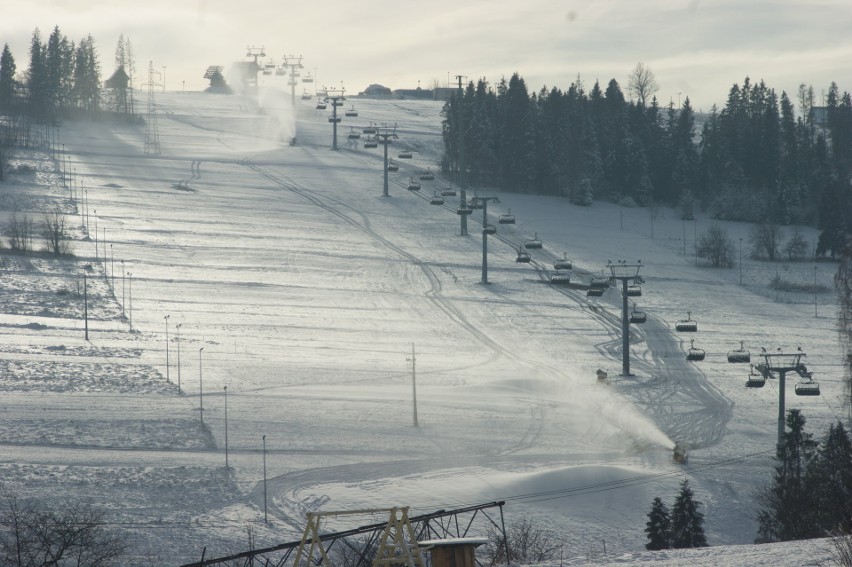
pixel 679 454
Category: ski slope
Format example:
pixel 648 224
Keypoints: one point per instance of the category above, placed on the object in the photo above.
pixel 302 289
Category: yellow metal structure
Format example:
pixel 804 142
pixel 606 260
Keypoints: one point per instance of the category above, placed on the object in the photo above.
pixel 396 546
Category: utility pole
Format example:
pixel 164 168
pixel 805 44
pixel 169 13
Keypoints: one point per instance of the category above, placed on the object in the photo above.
pixel 462 184
pixel 122 288
pixel 167 350
pixel 486 230
pixel 226 427
pixel 384 135
pixel 625 273
pixel 130 298
pixel 177 327
pixel 200 386
pixel 413 360
pixel 265 517
pixel 86 306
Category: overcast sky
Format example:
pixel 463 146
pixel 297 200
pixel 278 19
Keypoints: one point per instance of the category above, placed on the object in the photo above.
pixel 696 48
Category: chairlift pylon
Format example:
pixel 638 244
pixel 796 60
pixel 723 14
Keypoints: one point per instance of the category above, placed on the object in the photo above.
pixel 687 325
pixel 739 355
pixel 694 354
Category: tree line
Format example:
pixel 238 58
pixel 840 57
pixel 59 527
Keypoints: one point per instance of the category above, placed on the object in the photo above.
pixel 761 158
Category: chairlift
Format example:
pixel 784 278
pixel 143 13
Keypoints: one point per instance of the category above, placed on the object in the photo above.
pixel 267 71
pixel 448 192
pixel 634 291
pixel 321 105
pixel 337 102
pixel 437 198
pixel 280 71
pixel 369 129
pixel 413 185
pixel 269 65
pixel 393 166
pixel 489 229
pixel 534 242
pixel 508 218
pixel 599 282
pixel 595 291
pixel 755 379
pixel 334 119
pixel 523 256
pixel 292 83
pixel 405 154
pixel 687 325
pixel 694 354
pixel 463 210
pixel 638 317
pixel 353 135
pixel 306 96
pixel 307 78
pixel 563 264
pixel 560 278
pixel 352 111
pixel 371 143
pixel 427 176
pixel 809 388
pixel 475 203
pixel 739 355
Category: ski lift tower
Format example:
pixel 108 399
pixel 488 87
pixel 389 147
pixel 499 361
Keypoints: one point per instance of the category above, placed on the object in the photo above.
pixel 152 134
pixel 254 68
pixel 486 230
pixel 781 363
pixel 336 98
pixel 462 185
pixel 384 135
pixel 294 64
pixel 625 273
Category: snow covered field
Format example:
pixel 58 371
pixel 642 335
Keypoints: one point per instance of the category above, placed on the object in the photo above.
pixel 301 289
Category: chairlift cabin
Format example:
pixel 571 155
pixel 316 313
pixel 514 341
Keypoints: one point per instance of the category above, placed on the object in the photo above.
pixel 352 112
pixel 353 135
pixel 280 71
pixel 563 264
pixel 475 203
pixel 463 210
pixel 413 185
pixel 427 176
pixel 523 256
pixel 393 166
pixel 321 105
pixel 489 229
pixel 334 119
pixel 638 317
pixel 306 96
pixel 809 388
pixel 595 291
pixel 337 102
pixel 307 78
pixel 448 192
pixel 755 379
pixel 694 354
pixel 508 218
pixel 437 198
pixel 369 129
pixel 599 283
pixel 292 83
pixel 371 143
pixel 687 325
pixel 739 355
pixel 534 242
pixel 404 155
pixel 634 291
pixel 560 278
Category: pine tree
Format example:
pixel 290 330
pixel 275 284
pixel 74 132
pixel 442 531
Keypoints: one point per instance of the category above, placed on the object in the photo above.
pixel 37 90
pixel 833 480
pixel 687 523
pixel 658 526
pixel 7 78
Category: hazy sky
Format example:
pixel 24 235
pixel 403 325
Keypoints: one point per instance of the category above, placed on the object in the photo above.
pixel 697 48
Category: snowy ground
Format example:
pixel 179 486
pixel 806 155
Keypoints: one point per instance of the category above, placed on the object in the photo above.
pixel 301 289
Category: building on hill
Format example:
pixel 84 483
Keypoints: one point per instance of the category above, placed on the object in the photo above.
pixel 376 90
pixel 118 86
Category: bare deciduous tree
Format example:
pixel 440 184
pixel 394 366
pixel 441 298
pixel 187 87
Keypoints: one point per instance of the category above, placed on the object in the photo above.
pixel 56 234
pixel 765 239
pixel 716 246
pixel 528 542
pixel 31 535
pixel 20 233
pixel 642 84
pixel 797 246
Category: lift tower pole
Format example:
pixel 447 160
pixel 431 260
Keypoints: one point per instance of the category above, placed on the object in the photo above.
pixel 782 363
pixel 336 97
pixel 384 135
pixel 294 63
pixel 484 201
pixel 624 272
pixel 462 185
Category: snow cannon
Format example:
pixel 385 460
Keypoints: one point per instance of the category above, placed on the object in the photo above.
pixel 679 454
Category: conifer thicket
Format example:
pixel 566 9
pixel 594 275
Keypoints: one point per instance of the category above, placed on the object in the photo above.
pixel 761 158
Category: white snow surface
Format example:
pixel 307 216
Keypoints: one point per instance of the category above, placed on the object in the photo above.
pixel 306 288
